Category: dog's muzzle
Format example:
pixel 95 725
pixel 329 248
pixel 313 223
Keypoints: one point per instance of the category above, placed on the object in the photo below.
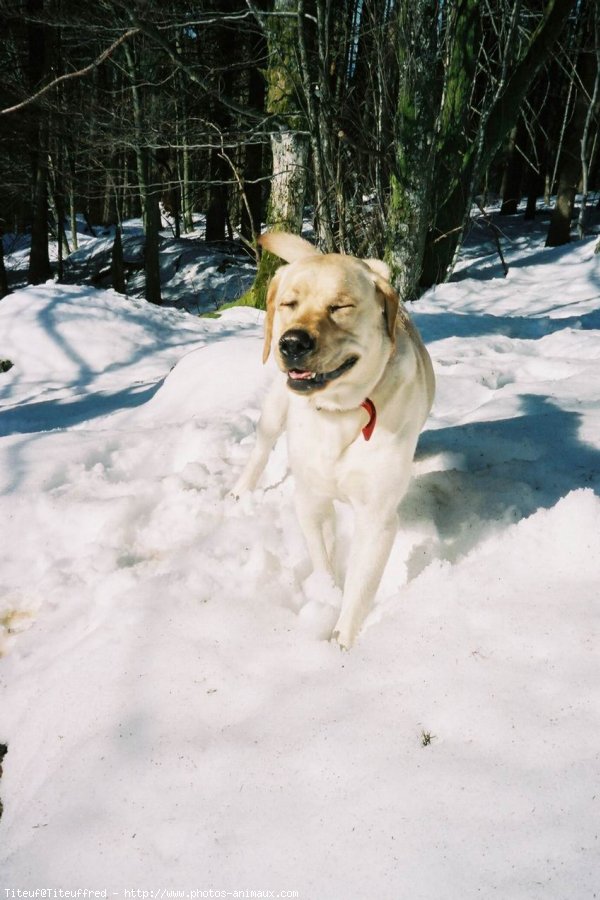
pixel 295 345
pixel 295 348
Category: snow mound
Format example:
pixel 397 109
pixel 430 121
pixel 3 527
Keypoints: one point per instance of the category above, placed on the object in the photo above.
pixel 173 712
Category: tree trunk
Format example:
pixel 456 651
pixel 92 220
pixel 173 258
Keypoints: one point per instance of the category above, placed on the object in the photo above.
pixel 138 124
pixel 290 159
pixel 319 125
pixel 587 151
pixel 117 269
pixel 411 181
pixel 186 190
pixel 152 230
pixel 73 216
pixel 452 187
pixel 252 207
pixel 534 188
pixel 289 147
pixel 39 259
pixel 466 156
pixel 3 278
pixel 288 185
pixel 513 174
pixel 559 232
pixel 216 214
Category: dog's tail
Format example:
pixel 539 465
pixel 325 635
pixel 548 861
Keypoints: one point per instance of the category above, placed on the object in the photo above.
pixel 289 247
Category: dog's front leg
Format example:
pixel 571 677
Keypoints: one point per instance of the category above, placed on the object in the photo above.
pixel 317 521
pixel 270 426
pixel 374 534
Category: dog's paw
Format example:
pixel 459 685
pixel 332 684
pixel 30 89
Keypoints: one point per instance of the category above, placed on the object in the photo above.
pixel 240 489
pixel 241 503
pixel 344 641
pixel 345 632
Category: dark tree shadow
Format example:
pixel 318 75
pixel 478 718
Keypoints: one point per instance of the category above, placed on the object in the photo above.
pixel 439 325
pixel 497 472
pixel 48 415
pixel 44 411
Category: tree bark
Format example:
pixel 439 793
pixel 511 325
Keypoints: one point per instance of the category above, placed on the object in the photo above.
pixel 138 124
pixel 252 208
pixel 559 232
pixel 456 147
pixel 411 180
pixel 39 259
pixel 3 277
pixel 216 214
pixel 73 204
pixel 513 173
pixel 117 269
pixel 187 204
pixel 152 231
pixel 571 162
pixel 318 126
pixel 587 151
pixel 534 188
pixel 468 154
pixel 289 141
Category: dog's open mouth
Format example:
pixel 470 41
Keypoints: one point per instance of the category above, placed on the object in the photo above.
pixel 305 380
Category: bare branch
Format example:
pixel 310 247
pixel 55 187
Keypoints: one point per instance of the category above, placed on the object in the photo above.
pixel 79 74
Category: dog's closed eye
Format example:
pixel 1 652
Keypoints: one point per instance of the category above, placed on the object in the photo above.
pixel 338 307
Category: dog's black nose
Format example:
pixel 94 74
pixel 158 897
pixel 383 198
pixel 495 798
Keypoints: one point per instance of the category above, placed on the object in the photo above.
pixel 296 343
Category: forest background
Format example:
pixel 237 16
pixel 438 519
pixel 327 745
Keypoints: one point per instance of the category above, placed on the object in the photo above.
pixel 386 119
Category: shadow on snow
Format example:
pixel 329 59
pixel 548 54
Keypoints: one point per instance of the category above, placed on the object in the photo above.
pixel 49 415
pixel 496 473
pixel 438 326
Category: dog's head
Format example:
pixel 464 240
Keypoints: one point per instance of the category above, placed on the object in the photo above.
pixel 332 319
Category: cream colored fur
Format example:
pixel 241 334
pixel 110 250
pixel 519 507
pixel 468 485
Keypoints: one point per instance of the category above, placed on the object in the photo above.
pixel 348 306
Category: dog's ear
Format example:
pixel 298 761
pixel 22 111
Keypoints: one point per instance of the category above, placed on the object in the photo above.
pixel 271 293
pixel 379 267
pixel 386 293
pixel 390 301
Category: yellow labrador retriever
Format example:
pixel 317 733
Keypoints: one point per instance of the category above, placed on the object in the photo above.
pixel 358 387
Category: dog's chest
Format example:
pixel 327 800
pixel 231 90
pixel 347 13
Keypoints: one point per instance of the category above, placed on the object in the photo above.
pixel 326 449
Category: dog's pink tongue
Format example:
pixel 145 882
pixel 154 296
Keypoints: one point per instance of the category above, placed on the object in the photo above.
pixel 299 374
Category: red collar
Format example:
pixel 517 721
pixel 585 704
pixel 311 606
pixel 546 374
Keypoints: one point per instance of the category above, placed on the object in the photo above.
pixel 369 428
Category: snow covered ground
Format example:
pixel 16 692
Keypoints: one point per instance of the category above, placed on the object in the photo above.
pixel 175 719
pixel 196 276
